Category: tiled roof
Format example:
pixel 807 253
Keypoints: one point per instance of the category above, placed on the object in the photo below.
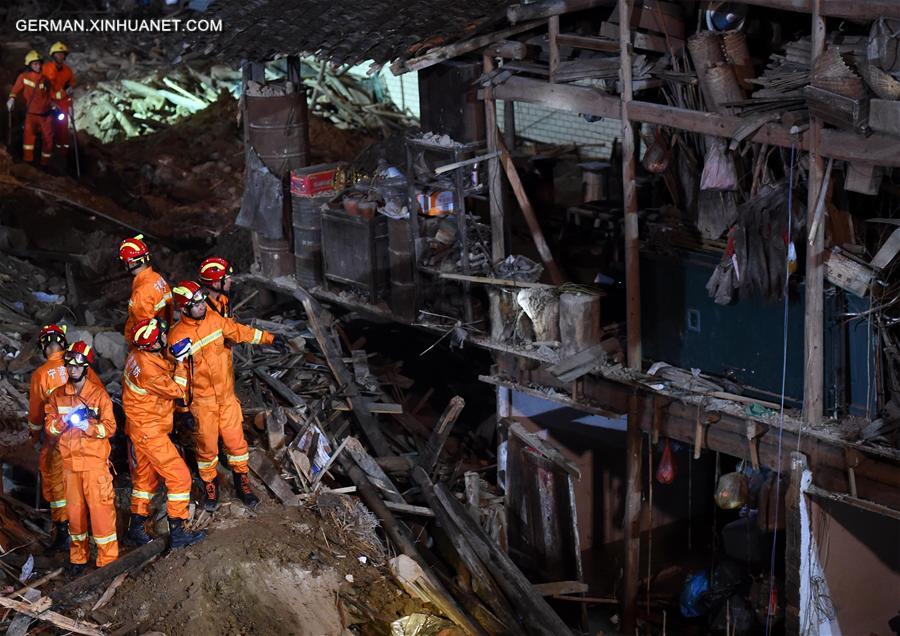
pixel 342 31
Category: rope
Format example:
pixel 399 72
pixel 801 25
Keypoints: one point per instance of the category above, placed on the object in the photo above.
pixel 787 276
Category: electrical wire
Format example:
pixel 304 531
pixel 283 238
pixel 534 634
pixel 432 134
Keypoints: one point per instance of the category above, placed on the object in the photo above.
pixel 784 352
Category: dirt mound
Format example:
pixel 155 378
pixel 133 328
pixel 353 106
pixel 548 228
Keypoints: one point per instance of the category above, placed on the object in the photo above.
pixel 286 571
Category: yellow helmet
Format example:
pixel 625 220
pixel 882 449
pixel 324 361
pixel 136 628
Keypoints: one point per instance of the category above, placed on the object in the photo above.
pixel 33 56
pixel 59 47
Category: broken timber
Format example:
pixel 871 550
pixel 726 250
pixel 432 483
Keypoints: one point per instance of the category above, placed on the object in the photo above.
pixel 268 473
pixel 441 432
pixel 540 618
pixel 63 622
pixel 94 580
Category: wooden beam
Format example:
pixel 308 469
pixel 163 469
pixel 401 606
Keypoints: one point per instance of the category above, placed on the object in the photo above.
pixel 92 581
pixel 547 8
pixel 63 622
pixel 553 34
pixel 842 145
pixel 495 182
pixel 587 43
pixel 629 195
pixel 814 311
pixel 442 53
pixel 345 381
pixel 260 464
pixel 632 522
pixel 429 457
pixel 866 10
pixel 534 226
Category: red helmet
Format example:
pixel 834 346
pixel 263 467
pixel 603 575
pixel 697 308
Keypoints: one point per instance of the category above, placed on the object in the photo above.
pixel 52 333
pixel 146 333
pixel 215 268
pixel 79 354
pixel 188 293
pixel 133 251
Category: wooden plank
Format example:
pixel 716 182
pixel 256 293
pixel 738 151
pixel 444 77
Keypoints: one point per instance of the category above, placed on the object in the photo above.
pixel 561 587
pixel 275 421
pixel 484 585
pixel 650 15
pixel 632 521
pixel 63 622
pixel 552 34
pixel 534 226
pixel 545 449
pixel 428 458
pixel 546 8
pixel 502 282
pixel 279 387
pixel 92 581
pixel 373 471
pixel 630 202
pixel 588 43
pixel 421 511
pixel 442 53
pixel 877 149
pixel 518 590
pixel 643 41
pixel 264 468
pixel 345 381
pixel 389 408
pixel 868 10
pixel 814 309
pixel 581 363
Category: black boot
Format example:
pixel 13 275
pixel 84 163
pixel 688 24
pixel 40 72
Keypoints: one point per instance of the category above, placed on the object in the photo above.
pixel 75 569
pixel 60 539
pixel 137 534
pixel 180 537
pixel 212 495
pixel 242 490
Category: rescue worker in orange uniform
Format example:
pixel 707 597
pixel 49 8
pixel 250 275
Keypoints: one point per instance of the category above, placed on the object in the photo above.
pixel 151 296
pixel 62 84
pixel 35 90
pixel 47 377
pixel 214 405
pixel 151 386
pixel 80 416
pixel 215 276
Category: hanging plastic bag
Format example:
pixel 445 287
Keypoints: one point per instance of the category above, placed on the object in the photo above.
pixel 719 172
pixel 666 471
pixel 695 587
pixel 731 491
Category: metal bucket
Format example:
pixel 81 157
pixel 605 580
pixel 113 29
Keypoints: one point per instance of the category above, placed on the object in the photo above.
pixel 273 256
pixel 279 130
pixel 307 215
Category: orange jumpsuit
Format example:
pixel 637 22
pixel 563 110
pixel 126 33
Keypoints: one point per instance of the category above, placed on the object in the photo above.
pixel 151 297
pixel 151 385
pixel 213 402
pixel 60 78
pixel 85 454
pixel 35 91
pixel 47 377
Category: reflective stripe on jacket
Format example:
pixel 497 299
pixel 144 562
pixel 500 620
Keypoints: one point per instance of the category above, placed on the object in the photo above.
pixel 150 387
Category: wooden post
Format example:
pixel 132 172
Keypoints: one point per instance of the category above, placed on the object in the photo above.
pixel 629 192
pixel 495 183
pixel 632 523
pixel 793 500
pixel 814 328
pixel 509 124
pixel 553 31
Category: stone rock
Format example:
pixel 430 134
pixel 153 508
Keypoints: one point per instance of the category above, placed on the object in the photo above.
pixel 111 345
pixel 74 334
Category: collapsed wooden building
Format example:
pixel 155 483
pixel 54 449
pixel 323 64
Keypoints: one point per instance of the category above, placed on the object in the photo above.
pixel 687 330
pixel 747 207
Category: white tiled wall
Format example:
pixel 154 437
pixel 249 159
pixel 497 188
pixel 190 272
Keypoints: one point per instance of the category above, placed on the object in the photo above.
pixel 533 122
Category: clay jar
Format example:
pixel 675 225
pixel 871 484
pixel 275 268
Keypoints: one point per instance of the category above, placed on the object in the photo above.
pixel 351 205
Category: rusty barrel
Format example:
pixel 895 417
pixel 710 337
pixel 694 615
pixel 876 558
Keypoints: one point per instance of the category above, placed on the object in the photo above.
pixel 307 221
pixel 273 256
pixel 279 130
